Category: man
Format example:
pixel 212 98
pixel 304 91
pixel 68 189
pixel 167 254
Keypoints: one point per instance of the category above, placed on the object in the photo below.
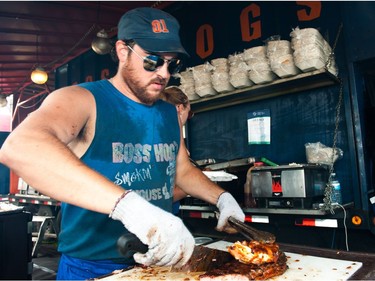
pixel 111 150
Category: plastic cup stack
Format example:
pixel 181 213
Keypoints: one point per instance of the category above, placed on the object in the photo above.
pixel 238 71
pixel 202 79
pixel 187 84
pixel 260 71
pixel 311 50
pixel 220 75
pixel 280 56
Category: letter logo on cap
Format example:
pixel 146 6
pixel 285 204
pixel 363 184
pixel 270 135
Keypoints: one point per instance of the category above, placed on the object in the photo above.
pixel 159 26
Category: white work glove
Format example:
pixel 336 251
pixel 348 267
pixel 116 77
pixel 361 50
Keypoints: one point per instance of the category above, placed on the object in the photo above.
pixel 228 207
pixel 169 241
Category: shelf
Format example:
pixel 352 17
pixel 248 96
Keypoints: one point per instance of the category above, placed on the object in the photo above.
pixel 264 211
pixel 302 82
pixel 270 211
pixel 33 199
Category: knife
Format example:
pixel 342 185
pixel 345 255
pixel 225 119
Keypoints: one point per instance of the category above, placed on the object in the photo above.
pixel 202 259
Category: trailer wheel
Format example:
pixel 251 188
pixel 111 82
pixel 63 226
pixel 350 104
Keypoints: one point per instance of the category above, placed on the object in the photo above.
pixel 31 208
pixel 44 211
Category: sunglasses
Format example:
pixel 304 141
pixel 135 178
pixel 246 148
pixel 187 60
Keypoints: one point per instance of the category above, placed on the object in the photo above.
pixel 153 62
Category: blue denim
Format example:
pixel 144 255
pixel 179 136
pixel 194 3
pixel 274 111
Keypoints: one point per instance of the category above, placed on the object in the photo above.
pixel 77 269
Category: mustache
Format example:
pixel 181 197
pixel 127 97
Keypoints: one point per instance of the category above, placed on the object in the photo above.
pixel 159 81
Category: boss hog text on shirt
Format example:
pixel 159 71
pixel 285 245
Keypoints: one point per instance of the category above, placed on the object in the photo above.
pixel 138 153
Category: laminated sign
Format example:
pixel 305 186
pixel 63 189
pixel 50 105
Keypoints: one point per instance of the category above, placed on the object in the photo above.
pixel 259 127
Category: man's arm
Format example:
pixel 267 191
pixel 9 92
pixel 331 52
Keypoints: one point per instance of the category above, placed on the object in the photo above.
pixel 178 194
pixel 37 150
pixel 192 181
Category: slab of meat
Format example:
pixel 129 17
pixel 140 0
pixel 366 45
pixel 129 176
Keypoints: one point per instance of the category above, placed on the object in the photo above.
pixel 253 261
pixel 254 252
pixel 237 271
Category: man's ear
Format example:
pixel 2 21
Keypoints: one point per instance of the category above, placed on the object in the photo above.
pixel 121 50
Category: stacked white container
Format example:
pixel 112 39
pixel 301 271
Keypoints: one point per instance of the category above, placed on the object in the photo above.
pixel 311 51
pixel 202 80
pixel 280 56
pixel 187 84
pixel 259 67
pixel 238 71
pixel 220 75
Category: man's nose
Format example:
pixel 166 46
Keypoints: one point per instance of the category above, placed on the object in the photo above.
pixel 163 71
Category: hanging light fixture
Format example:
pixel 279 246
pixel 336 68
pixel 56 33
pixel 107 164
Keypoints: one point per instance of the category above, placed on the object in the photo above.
pixel 39 75
pixel 101 43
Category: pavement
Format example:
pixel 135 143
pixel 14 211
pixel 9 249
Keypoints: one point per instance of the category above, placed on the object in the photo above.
pixel 46 263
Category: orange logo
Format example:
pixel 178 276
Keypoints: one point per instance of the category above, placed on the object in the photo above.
pixel 159 26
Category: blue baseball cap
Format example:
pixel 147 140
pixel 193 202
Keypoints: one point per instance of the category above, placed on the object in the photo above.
pixel 154 30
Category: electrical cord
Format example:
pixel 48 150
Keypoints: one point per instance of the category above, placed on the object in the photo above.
pixel 344 222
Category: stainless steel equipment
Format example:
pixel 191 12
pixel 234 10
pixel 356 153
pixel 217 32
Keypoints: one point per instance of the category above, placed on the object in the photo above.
pixel 289 186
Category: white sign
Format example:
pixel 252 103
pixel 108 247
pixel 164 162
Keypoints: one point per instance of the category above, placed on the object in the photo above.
pixel 259 127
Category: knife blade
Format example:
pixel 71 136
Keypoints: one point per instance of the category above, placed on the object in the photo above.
pixel 202 259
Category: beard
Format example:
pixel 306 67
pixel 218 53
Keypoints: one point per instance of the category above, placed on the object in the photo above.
pixel 141 89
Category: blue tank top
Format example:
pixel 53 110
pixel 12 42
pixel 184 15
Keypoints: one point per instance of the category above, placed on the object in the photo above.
pixel 135 146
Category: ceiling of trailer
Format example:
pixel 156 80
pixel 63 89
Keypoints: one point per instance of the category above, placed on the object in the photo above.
pixel 51 33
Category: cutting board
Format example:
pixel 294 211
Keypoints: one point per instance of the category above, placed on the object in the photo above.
pixel 301 267
pixel 151 274
pixel 304 267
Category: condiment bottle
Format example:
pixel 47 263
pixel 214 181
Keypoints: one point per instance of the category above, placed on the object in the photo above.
pixel 336 190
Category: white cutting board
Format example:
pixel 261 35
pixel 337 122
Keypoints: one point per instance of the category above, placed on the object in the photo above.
pixel 304 267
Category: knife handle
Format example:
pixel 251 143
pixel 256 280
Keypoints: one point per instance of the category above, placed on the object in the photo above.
pixel 128 244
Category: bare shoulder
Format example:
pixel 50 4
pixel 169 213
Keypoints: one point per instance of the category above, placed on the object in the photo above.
pixel 69 95
pixel 69 103
pixel 68 113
